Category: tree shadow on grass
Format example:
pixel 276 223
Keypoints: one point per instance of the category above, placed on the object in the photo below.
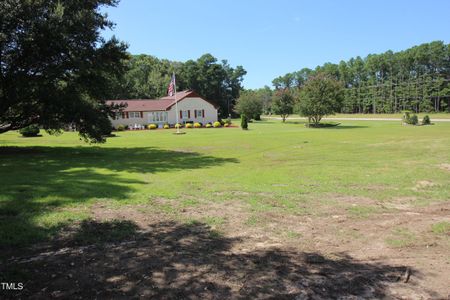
pixel 333 127
pixel 36 181
pixel 169 260
pixel 339 127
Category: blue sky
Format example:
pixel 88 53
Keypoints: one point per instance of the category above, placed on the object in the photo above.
pixel 273 37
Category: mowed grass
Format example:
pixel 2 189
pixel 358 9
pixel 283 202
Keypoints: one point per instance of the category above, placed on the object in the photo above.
pixel 432 115
pixel 49 183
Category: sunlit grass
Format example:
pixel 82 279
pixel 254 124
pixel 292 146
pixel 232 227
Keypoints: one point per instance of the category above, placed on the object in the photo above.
pixel 50 182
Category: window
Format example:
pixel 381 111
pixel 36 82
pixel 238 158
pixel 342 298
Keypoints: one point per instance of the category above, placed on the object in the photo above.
pixel 198 113
pixel 185 114
pixel 134 114
pixel 157 117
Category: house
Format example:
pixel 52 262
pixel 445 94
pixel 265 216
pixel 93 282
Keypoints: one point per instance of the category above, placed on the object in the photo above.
pixel 141 112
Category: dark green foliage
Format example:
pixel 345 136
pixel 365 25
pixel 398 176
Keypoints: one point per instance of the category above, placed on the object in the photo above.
pixel 249 104
pixel 406 117
pixel 416 79
pixel 322 125
pixel 321 95
pixel 426 120
pixel 120 127
pixel 244 122
pixel 414 120
pixel 106 127
pixel 30 131
pixel 56 69
pixel 283 103
pixel 410 119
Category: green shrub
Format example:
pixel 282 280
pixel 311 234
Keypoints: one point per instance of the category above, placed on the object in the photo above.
pixel 189 125
pixel 426 120
pixel 226 125
pixel 410 119
pixel 208 125
pixel 30 131
pixel 166 126
pixel 120 127
pixel 217 124
pixel 197 125
pixel 178 125
pixel 244 122
pixel 152 126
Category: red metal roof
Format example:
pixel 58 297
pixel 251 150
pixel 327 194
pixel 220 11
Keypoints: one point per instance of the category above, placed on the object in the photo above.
pixel 163 103
pixel 142 104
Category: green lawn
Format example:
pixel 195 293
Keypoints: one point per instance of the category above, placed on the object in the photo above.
pixel 394 116
pixel 51 182
pixel 440 115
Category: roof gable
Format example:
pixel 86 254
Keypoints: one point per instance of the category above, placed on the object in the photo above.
pixel 164 103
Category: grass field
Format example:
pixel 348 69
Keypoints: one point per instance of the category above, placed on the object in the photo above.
pixel 369 189
pixel 384 116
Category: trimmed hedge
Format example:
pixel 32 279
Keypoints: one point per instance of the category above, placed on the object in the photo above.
pixel 217 124
pixel 152 126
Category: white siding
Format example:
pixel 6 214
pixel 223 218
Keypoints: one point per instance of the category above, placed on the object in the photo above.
pixel 129 121
pixel 190 104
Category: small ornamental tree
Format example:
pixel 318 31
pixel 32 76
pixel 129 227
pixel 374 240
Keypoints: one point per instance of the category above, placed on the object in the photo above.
pixel 250 105
pixel 283 104
pixel 244 122
pixel 320 96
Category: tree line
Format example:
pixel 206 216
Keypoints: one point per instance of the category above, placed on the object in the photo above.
pixel 416 79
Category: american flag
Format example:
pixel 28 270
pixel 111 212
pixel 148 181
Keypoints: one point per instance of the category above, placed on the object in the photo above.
pixel 171 88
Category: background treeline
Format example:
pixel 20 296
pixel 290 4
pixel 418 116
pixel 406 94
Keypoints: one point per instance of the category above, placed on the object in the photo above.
pixel 148 77
pixel 416 79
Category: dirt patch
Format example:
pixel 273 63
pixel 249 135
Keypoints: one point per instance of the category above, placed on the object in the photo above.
pixel 232 193
pixel 445 167
pixel 142 251
pixel 136 213
pixel 423 184
pixel 171 260
pixel 358 200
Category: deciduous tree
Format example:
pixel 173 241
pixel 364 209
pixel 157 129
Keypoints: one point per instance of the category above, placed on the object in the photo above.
pixel 321 95
pixel 55 68
pixel 283 103
pixel 250 105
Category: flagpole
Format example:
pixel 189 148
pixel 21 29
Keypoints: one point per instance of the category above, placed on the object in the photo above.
pixel 176 102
